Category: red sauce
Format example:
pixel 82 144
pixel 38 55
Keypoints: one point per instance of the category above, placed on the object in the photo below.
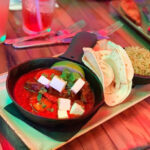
pixel 47 105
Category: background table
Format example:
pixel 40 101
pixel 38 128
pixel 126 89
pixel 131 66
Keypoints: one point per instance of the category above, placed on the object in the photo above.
pixel 128 130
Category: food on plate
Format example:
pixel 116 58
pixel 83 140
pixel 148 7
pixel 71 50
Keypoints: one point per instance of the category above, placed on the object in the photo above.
pixel 140 58
pixel 131 9
pixel 56 94
pixel 114 69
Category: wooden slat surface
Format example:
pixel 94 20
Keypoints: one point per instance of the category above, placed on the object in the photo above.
pixel 128 130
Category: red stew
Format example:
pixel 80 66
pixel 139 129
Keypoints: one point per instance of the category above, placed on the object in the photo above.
pixel 42 101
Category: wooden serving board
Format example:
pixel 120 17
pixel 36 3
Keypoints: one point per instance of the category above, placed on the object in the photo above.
pixel 37 137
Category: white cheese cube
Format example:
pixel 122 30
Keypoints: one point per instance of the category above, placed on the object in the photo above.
pixel 77 109
pixel 64 104
pixel 43 80
pixel 77 85
pixel 58 84
pixel 62 114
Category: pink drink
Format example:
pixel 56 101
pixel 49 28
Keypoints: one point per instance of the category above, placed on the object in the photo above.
pixel 37 18
pixel 4 4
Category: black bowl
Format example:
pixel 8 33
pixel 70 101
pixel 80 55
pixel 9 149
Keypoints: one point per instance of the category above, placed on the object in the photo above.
pixel 74 54
pixel 141 79
pixel 16 72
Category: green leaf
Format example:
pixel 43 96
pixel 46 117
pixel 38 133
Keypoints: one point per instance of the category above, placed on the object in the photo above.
pixel 74 76
pixel 69 84
pixel 39 96
pixel 43 105
pixel 65 74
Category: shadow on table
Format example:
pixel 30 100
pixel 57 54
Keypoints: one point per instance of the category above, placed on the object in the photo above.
pixel 61 133
pixel 15 142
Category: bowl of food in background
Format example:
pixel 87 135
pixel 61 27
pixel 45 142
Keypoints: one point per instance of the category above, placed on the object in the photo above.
pixel 140 58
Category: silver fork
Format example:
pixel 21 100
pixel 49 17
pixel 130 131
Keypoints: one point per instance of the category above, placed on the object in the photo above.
pixel 66 38
pixel 73 28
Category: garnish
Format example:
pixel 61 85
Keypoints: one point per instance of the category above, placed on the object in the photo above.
pixel 43 105
pixel 52 75
pixel 69 84
pixel 45 75
pixel 70 77
pixel 74 76
pixel 65 74
pixel 73 67
pixel 39 96
pixel 50 109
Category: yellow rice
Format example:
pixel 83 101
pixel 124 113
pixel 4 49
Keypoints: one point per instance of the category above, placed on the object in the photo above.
pixel 140 58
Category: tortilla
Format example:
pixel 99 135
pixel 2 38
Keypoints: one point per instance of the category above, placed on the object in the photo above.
pixel 90 65
pixel 113 64
pixel 101 55
pixel 110 46
pixel 90 61
pixel 117 96
pixel 115 60
pixel 96 58
pixel 128 63
pixel 103 45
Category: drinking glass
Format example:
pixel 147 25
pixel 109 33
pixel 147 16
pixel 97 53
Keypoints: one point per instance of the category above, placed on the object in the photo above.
pixel 37 15
pixel 15 5
pixel 4 4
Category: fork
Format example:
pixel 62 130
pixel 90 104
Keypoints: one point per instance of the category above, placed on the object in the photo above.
pixel 66 38
pixel 109 30
pixel 73 28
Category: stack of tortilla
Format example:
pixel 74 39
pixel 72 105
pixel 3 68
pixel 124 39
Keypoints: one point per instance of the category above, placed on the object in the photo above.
pixel 114 69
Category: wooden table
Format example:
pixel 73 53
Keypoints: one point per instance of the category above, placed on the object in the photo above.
pixel 128 130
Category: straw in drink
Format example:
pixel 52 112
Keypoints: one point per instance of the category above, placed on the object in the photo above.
pixel 37 15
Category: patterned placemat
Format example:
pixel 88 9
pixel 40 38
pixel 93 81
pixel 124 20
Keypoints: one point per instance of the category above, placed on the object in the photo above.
pixel 38 137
